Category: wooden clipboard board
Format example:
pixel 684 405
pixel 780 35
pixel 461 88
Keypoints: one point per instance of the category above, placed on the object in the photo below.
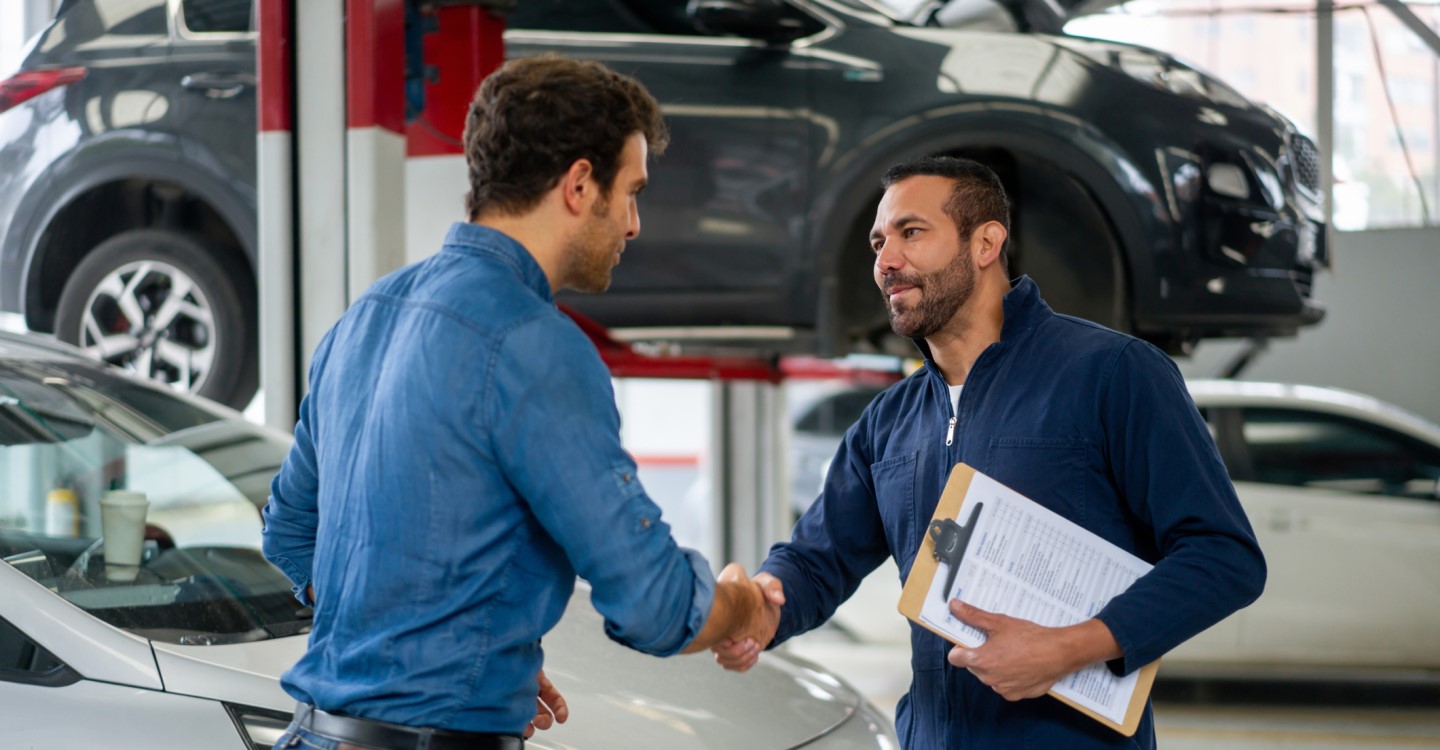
pixel 922 573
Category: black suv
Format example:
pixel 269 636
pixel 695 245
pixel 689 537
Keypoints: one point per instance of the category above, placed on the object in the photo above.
pixel 1148 196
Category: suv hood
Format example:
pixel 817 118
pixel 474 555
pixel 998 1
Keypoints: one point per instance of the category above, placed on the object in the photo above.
pixel 1031 58
pixel 618 698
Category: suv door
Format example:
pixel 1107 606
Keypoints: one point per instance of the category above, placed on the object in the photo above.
pixel 726 202
pixel 212 66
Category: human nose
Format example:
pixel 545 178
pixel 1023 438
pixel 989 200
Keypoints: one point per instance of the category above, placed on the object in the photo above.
pixel 887 258
pixel 633 230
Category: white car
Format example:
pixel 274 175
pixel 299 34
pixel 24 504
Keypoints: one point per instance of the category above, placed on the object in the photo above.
pixel 1344 494
pixel 187 655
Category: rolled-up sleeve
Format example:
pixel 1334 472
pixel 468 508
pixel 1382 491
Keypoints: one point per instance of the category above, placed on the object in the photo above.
pixel 292 515
pixel 1168 471
pixel 556 437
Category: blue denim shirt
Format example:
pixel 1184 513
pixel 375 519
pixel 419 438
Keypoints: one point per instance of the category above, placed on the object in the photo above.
pixel 1093 424
pixel 456 463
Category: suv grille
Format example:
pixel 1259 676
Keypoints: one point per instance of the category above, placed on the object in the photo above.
pixel 1306 159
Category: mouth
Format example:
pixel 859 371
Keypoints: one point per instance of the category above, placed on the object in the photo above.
pixel 895 291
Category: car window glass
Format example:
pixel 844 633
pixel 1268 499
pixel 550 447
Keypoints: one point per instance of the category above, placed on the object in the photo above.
pixel 618 17
pixel 103 24
pixel 217 16
pixel 601 16
pixel 21 656
pixel 69 433
pixel 1300 448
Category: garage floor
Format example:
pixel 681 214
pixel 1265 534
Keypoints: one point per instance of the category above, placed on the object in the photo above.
pixel 1202 716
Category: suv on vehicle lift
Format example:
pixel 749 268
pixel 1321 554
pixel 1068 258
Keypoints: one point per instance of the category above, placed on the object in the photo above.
pixel 1147 195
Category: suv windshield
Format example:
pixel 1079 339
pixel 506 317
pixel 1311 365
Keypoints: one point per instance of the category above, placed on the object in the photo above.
pixel 69 434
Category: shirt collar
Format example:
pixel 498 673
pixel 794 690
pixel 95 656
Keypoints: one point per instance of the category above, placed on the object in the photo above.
pixel 473 239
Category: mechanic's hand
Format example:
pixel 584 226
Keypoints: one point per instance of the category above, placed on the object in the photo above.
pixel 550 707
pixel 1018 659
pixel 741 650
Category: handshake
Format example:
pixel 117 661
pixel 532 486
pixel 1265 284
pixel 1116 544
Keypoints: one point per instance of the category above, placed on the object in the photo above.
pixel 743 618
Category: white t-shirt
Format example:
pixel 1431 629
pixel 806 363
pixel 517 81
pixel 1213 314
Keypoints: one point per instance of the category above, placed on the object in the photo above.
pixel 955 398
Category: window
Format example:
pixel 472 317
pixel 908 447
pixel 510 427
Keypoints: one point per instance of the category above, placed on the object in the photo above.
pixel 217 16
pixel 22 660
pixel 602 16
pixel 1310 449
pixel 622 17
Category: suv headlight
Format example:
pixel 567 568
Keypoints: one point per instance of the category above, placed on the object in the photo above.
pixel 1228 180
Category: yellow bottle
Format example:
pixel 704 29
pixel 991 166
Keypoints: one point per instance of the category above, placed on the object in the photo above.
pixel 62 512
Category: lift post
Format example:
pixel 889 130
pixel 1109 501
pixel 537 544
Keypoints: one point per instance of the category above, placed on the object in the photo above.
pixel 332 152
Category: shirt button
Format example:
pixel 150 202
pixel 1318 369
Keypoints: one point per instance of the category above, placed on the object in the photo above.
pixel 624 477
pixel 645 522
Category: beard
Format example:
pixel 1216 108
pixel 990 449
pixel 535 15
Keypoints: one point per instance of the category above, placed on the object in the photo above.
pixel 942 293
pixel 591 254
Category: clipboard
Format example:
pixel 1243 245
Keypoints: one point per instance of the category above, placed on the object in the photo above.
pixel 954 539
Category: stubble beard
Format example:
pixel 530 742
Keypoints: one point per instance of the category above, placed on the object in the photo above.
pixel 592 253
pixel 942 294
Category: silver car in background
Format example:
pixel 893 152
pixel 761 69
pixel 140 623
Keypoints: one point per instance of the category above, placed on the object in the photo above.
pixel 188 654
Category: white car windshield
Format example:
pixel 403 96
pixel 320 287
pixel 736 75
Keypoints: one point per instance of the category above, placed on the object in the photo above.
pixel 72 435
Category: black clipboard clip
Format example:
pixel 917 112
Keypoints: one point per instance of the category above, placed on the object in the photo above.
pixel 951 539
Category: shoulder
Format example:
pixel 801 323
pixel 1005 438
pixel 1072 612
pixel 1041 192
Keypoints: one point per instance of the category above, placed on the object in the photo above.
pixel 1078 342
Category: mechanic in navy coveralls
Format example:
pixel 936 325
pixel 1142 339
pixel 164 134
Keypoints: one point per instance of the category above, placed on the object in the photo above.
pixel 1093 424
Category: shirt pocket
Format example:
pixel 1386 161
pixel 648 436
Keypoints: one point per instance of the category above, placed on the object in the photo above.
pixel 894 479
pixel 1050 471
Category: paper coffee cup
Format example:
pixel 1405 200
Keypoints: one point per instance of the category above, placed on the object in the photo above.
pixel 122 520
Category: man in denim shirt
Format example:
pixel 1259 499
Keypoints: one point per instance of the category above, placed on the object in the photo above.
pixel 1093 424
pixel 457 460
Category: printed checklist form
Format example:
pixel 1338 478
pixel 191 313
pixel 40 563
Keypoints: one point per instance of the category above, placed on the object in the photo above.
pixel 995 549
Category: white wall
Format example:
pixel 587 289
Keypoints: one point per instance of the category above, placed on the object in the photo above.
pixel 1381 334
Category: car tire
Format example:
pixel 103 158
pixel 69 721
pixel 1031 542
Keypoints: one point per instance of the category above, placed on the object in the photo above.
pixel 202 340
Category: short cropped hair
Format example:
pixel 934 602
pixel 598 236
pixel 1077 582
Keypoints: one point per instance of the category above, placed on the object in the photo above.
pixel 535 116
pixel 977 197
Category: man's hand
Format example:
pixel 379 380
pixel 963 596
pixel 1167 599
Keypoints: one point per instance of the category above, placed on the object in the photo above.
pixel 550 707
pixel 1020 659
pixel 740 651
pixel 742 610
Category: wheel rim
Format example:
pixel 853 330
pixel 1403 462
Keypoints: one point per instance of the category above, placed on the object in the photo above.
pixel 151 318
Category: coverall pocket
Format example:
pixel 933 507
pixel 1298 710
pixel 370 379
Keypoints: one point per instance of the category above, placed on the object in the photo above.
pixel 894 479
pixel 1050 471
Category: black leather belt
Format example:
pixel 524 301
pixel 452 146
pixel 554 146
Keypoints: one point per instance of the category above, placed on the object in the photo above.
pixel 386 736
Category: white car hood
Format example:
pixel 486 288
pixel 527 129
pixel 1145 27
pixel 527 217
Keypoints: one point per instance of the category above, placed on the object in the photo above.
pixel 618 698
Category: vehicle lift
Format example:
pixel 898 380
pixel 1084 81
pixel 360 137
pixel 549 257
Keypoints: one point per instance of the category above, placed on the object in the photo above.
pixel 387 80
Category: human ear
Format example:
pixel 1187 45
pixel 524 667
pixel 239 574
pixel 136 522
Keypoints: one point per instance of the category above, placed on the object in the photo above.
pixel 988 240
pixel 578 186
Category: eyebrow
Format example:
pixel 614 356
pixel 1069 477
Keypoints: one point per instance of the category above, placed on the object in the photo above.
pixel 899 223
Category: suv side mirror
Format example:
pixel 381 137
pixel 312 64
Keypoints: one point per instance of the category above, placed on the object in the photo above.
pixel 753 19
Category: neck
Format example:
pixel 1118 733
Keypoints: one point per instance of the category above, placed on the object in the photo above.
pixel 976 325
pixel 538 235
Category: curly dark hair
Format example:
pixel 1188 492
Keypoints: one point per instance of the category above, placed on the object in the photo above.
pixel 977 197
pixel 535 116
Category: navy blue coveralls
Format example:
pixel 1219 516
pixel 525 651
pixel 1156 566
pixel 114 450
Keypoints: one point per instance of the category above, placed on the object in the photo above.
pixel 1095 425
